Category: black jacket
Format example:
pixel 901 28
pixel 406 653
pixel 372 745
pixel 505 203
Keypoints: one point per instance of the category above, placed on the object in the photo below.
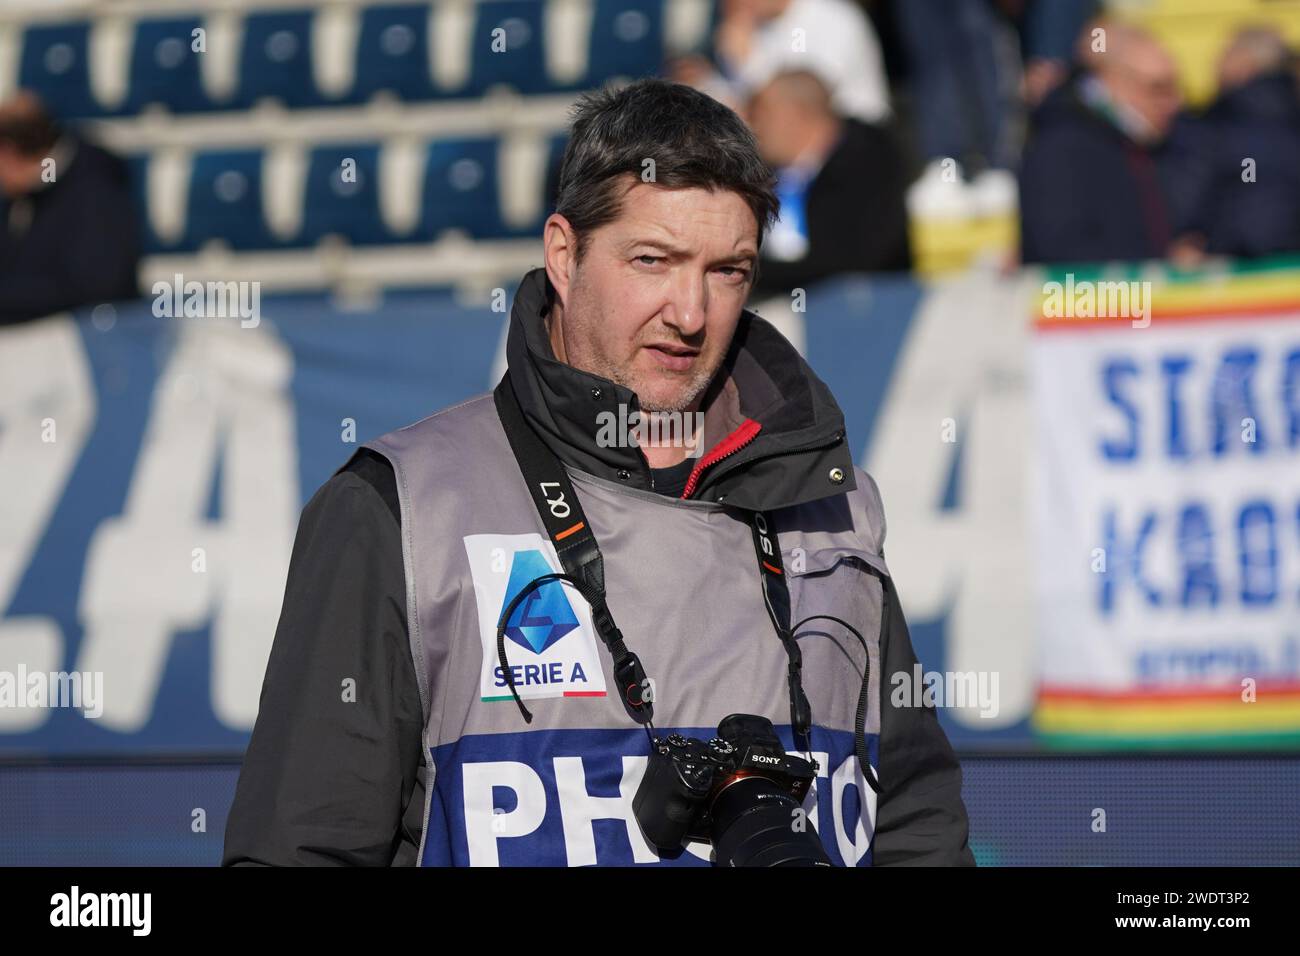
pixel 1088 193
pixel 357 770
pixel 74 242
pixel 1259 214
pixel 856 216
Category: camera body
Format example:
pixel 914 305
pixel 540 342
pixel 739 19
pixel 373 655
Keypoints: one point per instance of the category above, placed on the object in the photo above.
pixel 739 791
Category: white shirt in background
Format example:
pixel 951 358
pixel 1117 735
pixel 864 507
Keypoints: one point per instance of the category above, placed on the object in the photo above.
pixel 838 43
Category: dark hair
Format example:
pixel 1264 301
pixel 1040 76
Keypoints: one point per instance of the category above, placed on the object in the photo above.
pixel 694 141
pixel 26 126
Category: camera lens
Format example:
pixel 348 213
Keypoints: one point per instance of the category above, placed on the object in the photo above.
pixel 755 824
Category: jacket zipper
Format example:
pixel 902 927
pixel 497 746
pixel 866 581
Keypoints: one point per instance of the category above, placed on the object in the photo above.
pixel 710 460
pixel 690 486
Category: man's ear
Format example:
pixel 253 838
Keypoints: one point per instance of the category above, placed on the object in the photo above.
pixel 560 249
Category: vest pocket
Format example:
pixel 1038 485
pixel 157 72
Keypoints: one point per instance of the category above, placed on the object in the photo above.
pixel 801 562
pixel 841 580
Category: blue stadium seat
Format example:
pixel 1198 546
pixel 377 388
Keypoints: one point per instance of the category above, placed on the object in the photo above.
pixel 393 53
pixel 54 63
pixel 519 59
pixel 165 68
pixel 275 60
pixel 225 201
pixel 343 198
pixel 460 189
pixel 627 39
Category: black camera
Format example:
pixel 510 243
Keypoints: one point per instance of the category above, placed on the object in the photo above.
pixel 740 791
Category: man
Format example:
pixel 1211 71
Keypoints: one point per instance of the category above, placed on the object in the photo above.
pixel 1241 186
pixel 840 183
pixel 68 226
pixel 1092 187
pixel 757 39
pixel 400 725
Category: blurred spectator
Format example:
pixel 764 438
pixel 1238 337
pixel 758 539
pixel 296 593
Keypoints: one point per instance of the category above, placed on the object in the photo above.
pixel 756 39
pixel 1092 187
pixel 841 184
pixel 68 226
pixel 964 88
pixel 1242 184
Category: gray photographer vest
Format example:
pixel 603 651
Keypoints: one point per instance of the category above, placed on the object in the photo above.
pixel 682 582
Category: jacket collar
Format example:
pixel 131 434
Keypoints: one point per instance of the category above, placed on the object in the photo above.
pixel 773 433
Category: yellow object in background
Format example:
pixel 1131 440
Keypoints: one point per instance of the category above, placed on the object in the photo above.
pixel 941 246
pixel 1197 31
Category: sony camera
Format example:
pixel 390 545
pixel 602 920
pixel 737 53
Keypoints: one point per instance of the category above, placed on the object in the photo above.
pixel 740 791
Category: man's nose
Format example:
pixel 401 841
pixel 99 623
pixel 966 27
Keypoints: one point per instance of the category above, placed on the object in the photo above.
pixel 687 302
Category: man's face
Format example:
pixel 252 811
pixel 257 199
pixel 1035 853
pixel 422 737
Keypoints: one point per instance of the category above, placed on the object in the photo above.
pixel 16 172
pixel 1148 82
pixel 762 10
pixel 778 125
pixel 656 298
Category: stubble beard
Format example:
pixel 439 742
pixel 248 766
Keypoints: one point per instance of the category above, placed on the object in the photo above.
pixel 593 359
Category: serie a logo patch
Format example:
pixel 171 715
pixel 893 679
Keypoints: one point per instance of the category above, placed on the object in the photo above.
pixel 550 640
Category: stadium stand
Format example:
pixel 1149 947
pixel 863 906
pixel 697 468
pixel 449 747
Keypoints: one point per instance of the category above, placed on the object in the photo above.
pixel 626 39
pixel 393 54
pixel 460 189
pixel 276 60
pixel 1194 31
pixel 56 64
pixel 341 197
pixel 165 67
pixel 237 119
pixel 225 201
pixel 470 91
pixel 514 28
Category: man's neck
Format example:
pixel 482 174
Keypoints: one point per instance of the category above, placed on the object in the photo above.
pixel 820 142
pixel 664 457
pixel 683 432
pixel 552 319
pixel 1099 94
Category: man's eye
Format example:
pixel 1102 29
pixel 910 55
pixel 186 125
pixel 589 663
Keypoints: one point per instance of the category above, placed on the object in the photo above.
pixel 652 259
pixel 735 271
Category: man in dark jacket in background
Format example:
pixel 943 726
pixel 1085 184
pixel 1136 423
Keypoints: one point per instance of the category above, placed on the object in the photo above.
pixel 1092 185
pixel 68 225
pixel 1240 186
pixel 841 184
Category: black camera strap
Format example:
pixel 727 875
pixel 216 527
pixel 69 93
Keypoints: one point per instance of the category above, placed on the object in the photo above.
pixel 575 544
pixel 776 595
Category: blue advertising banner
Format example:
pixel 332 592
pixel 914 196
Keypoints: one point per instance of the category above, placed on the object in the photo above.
pixel 152 470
